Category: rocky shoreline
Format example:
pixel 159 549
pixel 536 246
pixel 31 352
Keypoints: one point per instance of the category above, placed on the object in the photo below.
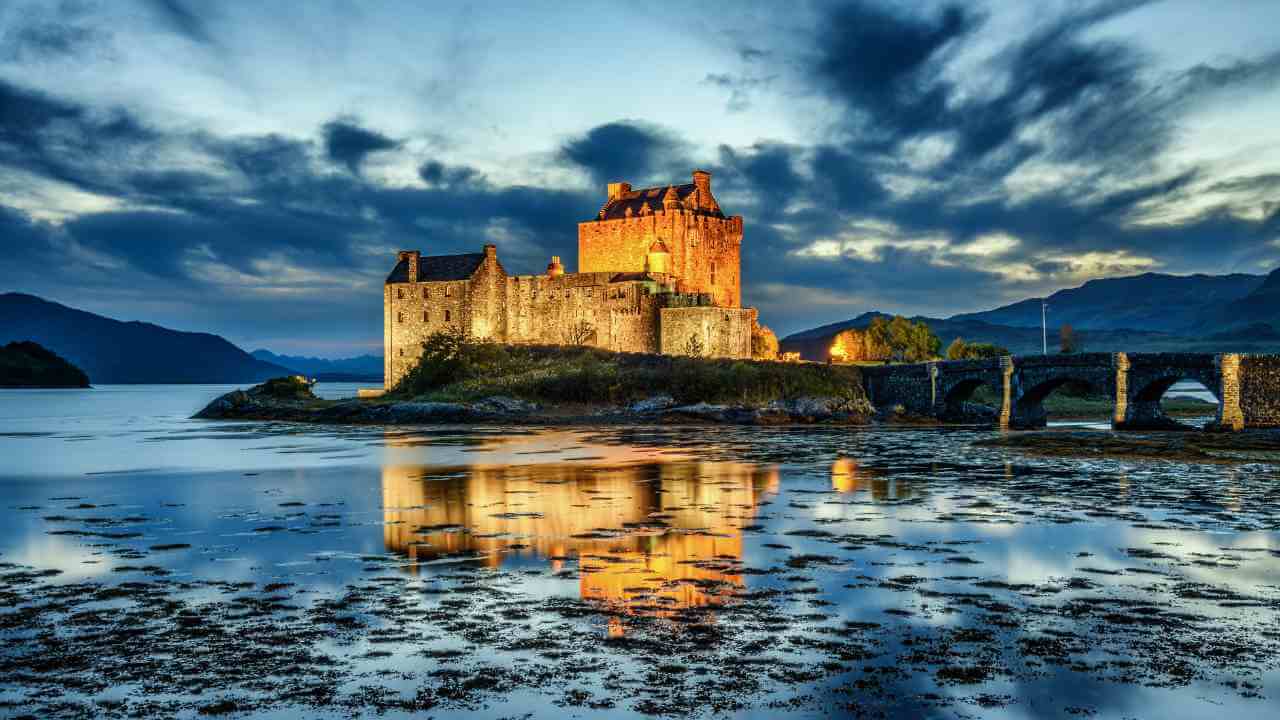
pixel 259 404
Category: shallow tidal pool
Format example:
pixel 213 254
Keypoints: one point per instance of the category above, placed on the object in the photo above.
pixel 155 566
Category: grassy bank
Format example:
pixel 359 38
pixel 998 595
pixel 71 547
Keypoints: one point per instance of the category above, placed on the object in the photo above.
pixel 455 368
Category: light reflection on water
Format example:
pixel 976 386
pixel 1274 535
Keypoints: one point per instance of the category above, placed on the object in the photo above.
pixel 642 571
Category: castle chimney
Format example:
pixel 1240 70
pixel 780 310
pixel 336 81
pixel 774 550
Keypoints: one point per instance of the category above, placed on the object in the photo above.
pixel 618 189
pixel 702 181
pixel 554 268
pixel 414 258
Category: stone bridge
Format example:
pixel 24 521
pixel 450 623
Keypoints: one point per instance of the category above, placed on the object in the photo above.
pixel 1247 386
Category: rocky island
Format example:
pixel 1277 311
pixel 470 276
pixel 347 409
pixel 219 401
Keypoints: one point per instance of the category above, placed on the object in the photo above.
pixel 465 381
pixel 26 364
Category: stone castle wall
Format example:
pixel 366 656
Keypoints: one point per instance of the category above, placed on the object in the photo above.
pixel 720 331
pixel 581 308
pixel 705 250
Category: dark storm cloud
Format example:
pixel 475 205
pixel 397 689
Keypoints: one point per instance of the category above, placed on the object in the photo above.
pixel 886 64
pixel 439 175
pixel 183 18
pixel 63 140
pixel 45 41
pixel 740 88
pixel 626 150
pixel 347 143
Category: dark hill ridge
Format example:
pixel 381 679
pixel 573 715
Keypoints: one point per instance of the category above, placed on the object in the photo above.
pixel 1143 313
pixel 1262 306
pixel 1151 301
pixel 361 367
pixel 28 365
pixel 112 351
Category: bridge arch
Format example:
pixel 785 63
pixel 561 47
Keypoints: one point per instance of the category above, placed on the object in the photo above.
pixel 1038 381
pixel 1145 378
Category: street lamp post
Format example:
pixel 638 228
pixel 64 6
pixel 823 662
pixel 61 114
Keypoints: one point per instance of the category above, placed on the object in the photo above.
pixel 1044 327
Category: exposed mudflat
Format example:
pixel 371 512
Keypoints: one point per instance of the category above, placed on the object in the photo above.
pixel 645 571
pixel 1216 447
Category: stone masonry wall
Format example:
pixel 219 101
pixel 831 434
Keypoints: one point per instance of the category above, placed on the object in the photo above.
pixel 1260 390
pixel 722 332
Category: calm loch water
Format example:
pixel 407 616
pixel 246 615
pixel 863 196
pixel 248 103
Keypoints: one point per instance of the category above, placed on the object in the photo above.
pixel 157 566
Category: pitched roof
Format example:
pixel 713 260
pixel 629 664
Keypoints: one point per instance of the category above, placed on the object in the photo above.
pixel 439 267
pixel 636 199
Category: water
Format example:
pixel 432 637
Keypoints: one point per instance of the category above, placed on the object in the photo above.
pixel 158 566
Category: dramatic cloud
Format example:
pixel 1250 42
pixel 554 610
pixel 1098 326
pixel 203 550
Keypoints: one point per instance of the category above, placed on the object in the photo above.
pixel 347 143
pixel 625 150
pixel 931 158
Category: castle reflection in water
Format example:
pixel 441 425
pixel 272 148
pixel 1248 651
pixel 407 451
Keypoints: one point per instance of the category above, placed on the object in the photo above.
pixel 648 538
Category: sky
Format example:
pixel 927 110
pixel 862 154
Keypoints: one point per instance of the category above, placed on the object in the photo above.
pixel 250 169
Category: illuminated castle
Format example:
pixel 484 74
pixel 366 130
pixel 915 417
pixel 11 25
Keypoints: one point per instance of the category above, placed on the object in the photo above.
pixel 659 271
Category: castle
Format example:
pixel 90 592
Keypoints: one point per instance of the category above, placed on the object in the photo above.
pixel 658 272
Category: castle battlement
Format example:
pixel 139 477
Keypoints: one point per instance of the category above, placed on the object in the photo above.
pixel 657 267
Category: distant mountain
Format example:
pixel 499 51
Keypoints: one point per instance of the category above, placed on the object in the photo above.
pixel 111 351
pixel 1143 313
pixel 1152 301
pixel 361 367
pixel 814 344
pixel 29 365
pixel 1249 314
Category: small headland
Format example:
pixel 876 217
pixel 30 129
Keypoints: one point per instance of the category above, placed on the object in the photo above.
pixel 26 364
pixel 466 381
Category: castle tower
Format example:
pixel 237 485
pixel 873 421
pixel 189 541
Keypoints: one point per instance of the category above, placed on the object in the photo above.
pixel 659 258
pixel 703 246
pixel 555 268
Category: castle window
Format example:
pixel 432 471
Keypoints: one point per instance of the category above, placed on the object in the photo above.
pixel 713 273
pixel 447 316
pixel 426 316
pixel 448 291
pixel 591 292
pixel 399 317
pixel 426 293
pixel 401 352
pixel 399 293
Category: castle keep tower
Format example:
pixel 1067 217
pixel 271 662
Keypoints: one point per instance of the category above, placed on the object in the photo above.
pixel 703 245
pixel 658 272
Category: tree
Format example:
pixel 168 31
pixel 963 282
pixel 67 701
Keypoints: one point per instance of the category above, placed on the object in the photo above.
pixel 693 347
pixel 1069 341
pixel 878 344
pixel 764 344
pixel 912 341
pixel 579 333
pixel 849 346
pixel 961 350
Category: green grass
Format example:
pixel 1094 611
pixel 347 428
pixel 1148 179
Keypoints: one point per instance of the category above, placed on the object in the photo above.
pixel 458 369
